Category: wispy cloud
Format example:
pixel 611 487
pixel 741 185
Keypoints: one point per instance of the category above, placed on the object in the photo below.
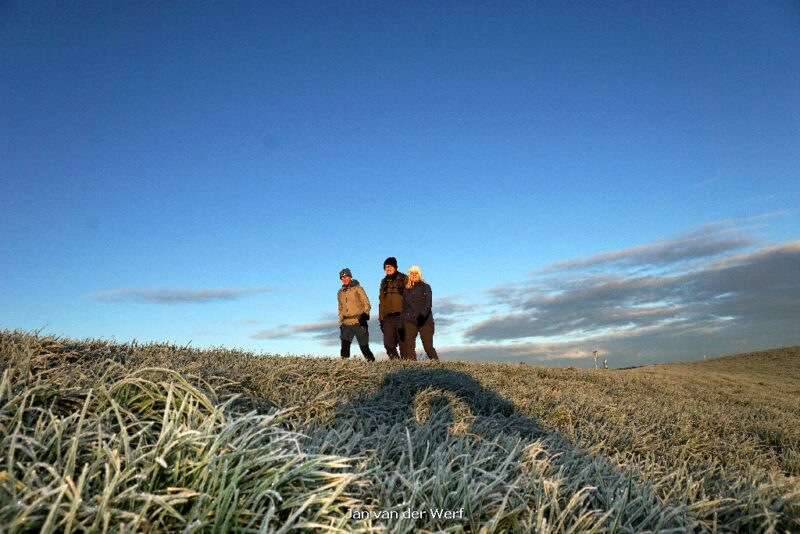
pixel 320 331
pixel 175 296
pixel 703 242
pixel 704 183
pixel 453 305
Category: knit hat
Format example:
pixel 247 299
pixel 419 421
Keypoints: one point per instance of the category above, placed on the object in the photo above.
pixel 345 272
pixel 390 261
pixel 415 269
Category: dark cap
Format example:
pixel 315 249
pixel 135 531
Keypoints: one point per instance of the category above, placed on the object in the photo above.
pixel 345 272
pixel 390 261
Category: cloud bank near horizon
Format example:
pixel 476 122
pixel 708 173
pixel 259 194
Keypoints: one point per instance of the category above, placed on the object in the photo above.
pixel 747 288
pixel 712 291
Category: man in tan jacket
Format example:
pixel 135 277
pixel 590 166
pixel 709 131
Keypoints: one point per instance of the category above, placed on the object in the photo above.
pixel 354 309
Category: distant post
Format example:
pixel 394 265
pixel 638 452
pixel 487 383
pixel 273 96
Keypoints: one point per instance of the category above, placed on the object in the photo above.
pixel 594 354
pixel 605 363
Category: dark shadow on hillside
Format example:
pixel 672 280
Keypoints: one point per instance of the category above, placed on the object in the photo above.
pixel 410 394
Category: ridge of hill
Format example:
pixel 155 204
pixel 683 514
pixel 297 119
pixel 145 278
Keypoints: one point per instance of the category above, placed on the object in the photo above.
pixel 143 437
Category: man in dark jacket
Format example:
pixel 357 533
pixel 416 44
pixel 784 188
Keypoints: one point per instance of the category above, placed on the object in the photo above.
pixel 390 309
pixel 354 309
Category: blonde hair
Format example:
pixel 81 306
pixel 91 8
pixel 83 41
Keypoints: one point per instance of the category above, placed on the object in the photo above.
pixel 413 269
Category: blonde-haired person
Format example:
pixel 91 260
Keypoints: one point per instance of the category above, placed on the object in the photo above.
pixel 417 314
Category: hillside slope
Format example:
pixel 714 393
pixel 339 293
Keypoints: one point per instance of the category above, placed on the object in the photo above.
pixel 162 437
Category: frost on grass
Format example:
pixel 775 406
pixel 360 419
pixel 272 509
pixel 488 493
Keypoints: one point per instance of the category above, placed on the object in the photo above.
pixel 127 437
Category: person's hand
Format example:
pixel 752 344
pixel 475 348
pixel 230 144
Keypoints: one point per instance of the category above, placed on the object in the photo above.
pixel 421 319
pixel 381 323
pixel 362 319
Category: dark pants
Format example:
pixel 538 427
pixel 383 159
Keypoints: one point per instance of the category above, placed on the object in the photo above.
pixel 394 335
pixel 347 333
pixel 425 334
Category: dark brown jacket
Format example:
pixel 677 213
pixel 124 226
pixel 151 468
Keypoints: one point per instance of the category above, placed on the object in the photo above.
pixel 390 298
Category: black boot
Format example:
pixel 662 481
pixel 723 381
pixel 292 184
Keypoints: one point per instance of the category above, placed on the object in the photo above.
pixel 367 353
pixel 345 352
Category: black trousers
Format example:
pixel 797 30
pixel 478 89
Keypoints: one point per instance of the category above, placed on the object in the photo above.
pixel 394 335
pixel 347 333
pixel 425 334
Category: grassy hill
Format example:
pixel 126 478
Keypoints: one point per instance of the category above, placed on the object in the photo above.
pixel 128 437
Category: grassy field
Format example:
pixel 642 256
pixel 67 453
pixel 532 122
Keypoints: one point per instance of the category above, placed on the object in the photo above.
pixel 98 436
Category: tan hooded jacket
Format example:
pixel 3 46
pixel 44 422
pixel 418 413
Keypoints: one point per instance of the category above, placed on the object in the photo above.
pixel 353 301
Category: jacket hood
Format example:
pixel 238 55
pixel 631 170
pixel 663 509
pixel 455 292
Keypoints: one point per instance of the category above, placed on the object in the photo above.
pixel 353 283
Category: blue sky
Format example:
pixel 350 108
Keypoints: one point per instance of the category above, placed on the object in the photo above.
pixel 570 176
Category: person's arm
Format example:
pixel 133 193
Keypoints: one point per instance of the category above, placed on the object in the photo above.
pixel 382 301
pixel 428 301
pixel 341 317
pixel 365 305
pixel 423 308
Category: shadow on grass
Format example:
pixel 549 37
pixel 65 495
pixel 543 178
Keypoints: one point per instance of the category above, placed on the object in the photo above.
pixel 452 398
pixel 437 439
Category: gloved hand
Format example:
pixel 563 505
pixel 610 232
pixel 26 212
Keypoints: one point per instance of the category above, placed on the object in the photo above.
pixel 421 319
pixel 381 323
pixel 362 319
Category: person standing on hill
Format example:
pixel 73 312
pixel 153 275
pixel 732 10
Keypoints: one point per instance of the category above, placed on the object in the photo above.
pixel 418 315
pixel 390 309
pixel 354 309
